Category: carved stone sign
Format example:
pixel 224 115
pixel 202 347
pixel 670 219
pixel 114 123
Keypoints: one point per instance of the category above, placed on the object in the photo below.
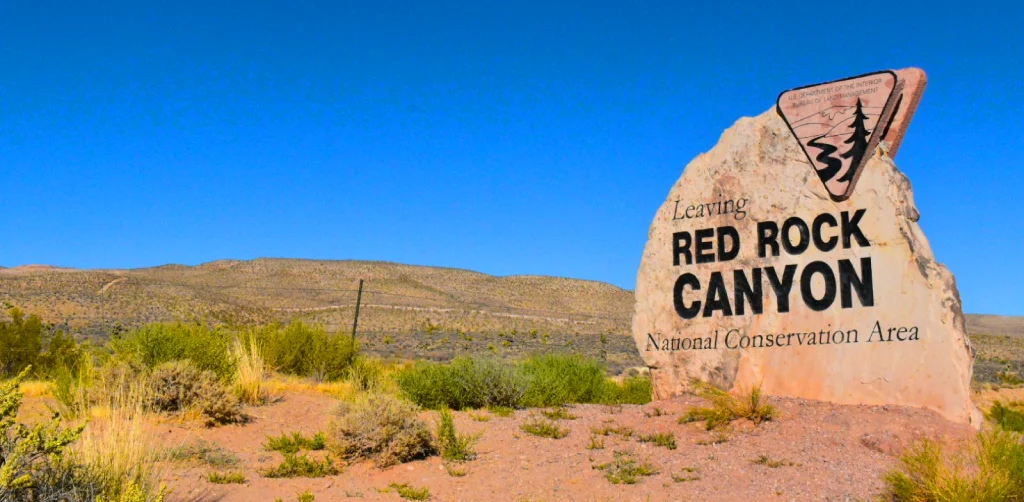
pixel 789 256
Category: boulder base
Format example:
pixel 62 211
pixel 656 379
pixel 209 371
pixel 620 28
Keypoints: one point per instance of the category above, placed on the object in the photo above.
pixel 869 316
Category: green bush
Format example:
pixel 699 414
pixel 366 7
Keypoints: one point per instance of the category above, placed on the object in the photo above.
pixel 31 465
pixel 540 381
pixel 625 469
pixel 992 470
pixel 409 492
pixel 464 383
pixel 301 466
pixel 379 427
pixel 632 390
pixel 296 441
pixel 432 386
pixel 367 374
pixel 488 382
pixel 26 341
pixel 543 427
pixel 1008 417
pixel 556 379
pixel 725 407
pixel 307 350
pixel 62 355
pixel 450 444
pixel 21 342
pixel 668 440
pixel 36 463
pixel 226 478
pixel 157 343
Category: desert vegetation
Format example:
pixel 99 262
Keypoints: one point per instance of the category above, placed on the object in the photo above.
pixel 725 408
pixel 538 381
pixel 390 411
pixel 215 375
pixel 397 298
pixel 991 468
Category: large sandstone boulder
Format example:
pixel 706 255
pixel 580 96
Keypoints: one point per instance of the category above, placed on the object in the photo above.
pixel 871 318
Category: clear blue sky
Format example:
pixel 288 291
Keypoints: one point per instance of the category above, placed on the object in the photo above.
pixel 526 139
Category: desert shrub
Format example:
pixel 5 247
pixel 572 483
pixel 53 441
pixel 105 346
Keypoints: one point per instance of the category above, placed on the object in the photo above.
pixel 501 411
pixel 301 466
pixel 179 386
pixel 203 452
pixel 62 354
pixel 431 386
pixel 539 381
pixel 557 379
pixel 624 469
pixel 559 413
pixel 1009 377
pixel 73 388
pixel 26 341
pixel 668 440
pixel 48 462
pixel 207 348
pixel 1008 417
pixel 379 427
pixel 488 382
pixel 225 478
pixel 409 492
pixel 725 407
pixel 368 374
pixel 768 461
pixel 632 390
pixel 464 383
pixel 754 407
pixel 294 442
pixel 607 430
pixel 544 428
pixel 306 350
pixel 690 475
pixel 105 387
pixel 31 467
pixel 991 470
pixel 21 341
pixel 450 444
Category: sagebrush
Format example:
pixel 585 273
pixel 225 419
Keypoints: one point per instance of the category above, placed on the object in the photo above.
pixel 381 428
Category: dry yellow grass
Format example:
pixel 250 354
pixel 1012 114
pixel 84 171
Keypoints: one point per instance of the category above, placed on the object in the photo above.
pixel 114 447
pixel 250 371
pixel 985 396
pixel 36 388
pixel 279 384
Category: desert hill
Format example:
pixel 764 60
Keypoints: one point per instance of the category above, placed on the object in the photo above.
pixel 396 297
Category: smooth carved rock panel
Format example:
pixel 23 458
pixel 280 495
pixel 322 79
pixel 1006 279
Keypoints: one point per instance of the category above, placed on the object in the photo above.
pixel 891 332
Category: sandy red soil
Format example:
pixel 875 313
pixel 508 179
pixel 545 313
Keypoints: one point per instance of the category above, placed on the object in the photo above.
pixel 838 453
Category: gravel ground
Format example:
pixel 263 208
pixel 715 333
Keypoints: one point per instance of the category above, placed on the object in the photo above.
pixel 815 451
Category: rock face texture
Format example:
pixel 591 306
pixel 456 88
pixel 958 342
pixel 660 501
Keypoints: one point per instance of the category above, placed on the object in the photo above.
pixel 842 302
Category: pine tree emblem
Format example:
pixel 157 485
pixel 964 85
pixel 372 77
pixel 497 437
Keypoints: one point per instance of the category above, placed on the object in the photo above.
pixel 838 124
pixel 858 141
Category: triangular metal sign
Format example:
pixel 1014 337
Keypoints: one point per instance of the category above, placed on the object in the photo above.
pixel 840 123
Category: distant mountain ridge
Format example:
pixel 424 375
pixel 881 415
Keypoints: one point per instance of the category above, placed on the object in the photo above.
pixel 396 298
